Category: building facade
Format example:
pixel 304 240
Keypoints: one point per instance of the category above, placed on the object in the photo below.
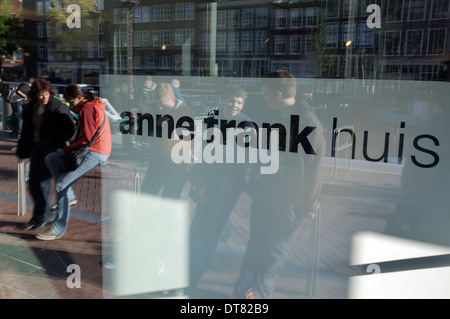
pixel 249 39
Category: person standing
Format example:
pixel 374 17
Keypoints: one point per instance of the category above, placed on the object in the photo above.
pixel 146 101
pixel 17 107
pixel 280 201
pixel 217 187
pixel 91 115
pixel 47 125
pixel 176 84
pixel 162 172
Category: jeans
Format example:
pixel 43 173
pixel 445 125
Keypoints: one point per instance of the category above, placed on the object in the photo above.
pixel 64 182
pixel 273 226
pixel 39 182
pixel 213 211
pixel 17 109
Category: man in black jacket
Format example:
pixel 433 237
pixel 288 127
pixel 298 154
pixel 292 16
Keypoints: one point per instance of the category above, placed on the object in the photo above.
pixel 18 106
pixel 47 126
pixel 281 200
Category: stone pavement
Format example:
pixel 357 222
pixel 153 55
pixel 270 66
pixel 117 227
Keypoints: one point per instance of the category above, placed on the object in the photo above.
pixel 354 200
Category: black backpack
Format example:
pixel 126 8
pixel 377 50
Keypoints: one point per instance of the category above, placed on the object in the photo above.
pixel 12 96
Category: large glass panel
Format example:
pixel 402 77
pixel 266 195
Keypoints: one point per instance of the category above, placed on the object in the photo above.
pixel 268 149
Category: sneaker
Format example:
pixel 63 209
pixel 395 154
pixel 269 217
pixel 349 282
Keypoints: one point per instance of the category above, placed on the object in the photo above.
pixel 71 203
pixel 249 294
pixel 48 234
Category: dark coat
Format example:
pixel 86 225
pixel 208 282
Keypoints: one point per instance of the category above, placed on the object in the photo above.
pixel 57 127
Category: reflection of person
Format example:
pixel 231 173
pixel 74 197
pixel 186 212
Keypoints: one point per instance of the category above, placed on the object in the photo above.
pixel 281 200
pixel 176 84
pixel 91 114
pixel 162 171
pixel 217 189
pixel 17 107
pixel 47 125
pixel 146 100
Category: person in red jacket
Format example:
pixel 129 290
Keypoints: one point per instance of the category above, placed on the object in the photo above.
pixel 91 114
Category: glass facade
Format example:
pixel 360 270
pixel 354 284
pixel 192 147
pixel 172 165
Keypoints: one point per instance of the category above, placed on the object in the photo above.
pixel 332 178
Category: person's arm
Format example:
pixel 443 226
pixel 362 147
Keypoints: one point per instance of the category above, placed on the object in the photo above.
pixel 88 127
pixel 21 93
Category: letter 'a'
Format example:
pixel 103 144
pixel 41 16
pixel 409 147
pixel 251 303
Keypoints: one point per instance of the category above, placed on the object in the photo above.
pixel 74 20
pixel 374 20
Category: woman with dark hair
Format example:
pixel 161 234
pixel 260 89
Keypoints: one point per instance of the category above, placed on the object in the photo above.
pixel 47 126
pixel 91 115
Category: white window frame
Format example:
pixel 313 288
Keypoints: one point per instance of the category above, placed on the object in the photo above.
pixel 279 18
pixel 233 18
pixel 189 33
pixel 430 39
pixel 189 13
pixel 147 38
pixel 261 42
pixel 156 38
pixel 247 42
pixel 233 42
pixel 295 44
pixel 310 19
pixel 295 18
pixel 179 11
pixel 178 37
pixel 221 43
pixel 261 17
pixel 420 5
pixel 157 13
pixel 167 37
pixel 146 14
pixel 90 50
pixel 247 18
pixel 101 49
pixel 415 45
pixel 41 29
pixel 397 51
pixel 166 12
pixel 440 9
pixel 279 44
pixel 221 19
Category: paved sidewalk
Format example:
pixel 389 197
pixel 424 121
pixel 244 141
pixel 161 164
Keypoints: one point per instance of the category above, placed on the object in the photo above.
pixel 30 268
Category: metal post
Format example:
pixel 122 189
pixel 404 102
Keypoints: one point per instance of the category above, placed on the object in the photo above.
pixel 314 261
pixel 21 189
pixel 130 51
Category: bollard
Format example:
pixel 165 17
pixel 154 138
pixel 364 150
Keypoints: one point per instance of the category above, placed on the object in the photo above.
pixel 21 191
pixel 314 261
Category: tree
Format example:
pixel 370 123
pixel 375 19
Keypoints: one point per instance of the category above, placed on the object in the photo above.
pixel 325 56
pixel 13 35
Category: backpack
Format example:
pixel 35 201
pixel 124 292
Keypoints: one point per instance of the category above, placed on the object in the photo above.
pixel 12 96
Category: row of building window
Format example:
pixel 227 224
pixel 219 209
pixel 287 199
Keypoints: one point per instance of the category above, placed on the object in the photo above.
pixel 259 18
pixel 155 13
pixel 416 42
pixel 89 50
pixel 395 10
pixel 392 10
pixel 254 67
pixel 42 7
